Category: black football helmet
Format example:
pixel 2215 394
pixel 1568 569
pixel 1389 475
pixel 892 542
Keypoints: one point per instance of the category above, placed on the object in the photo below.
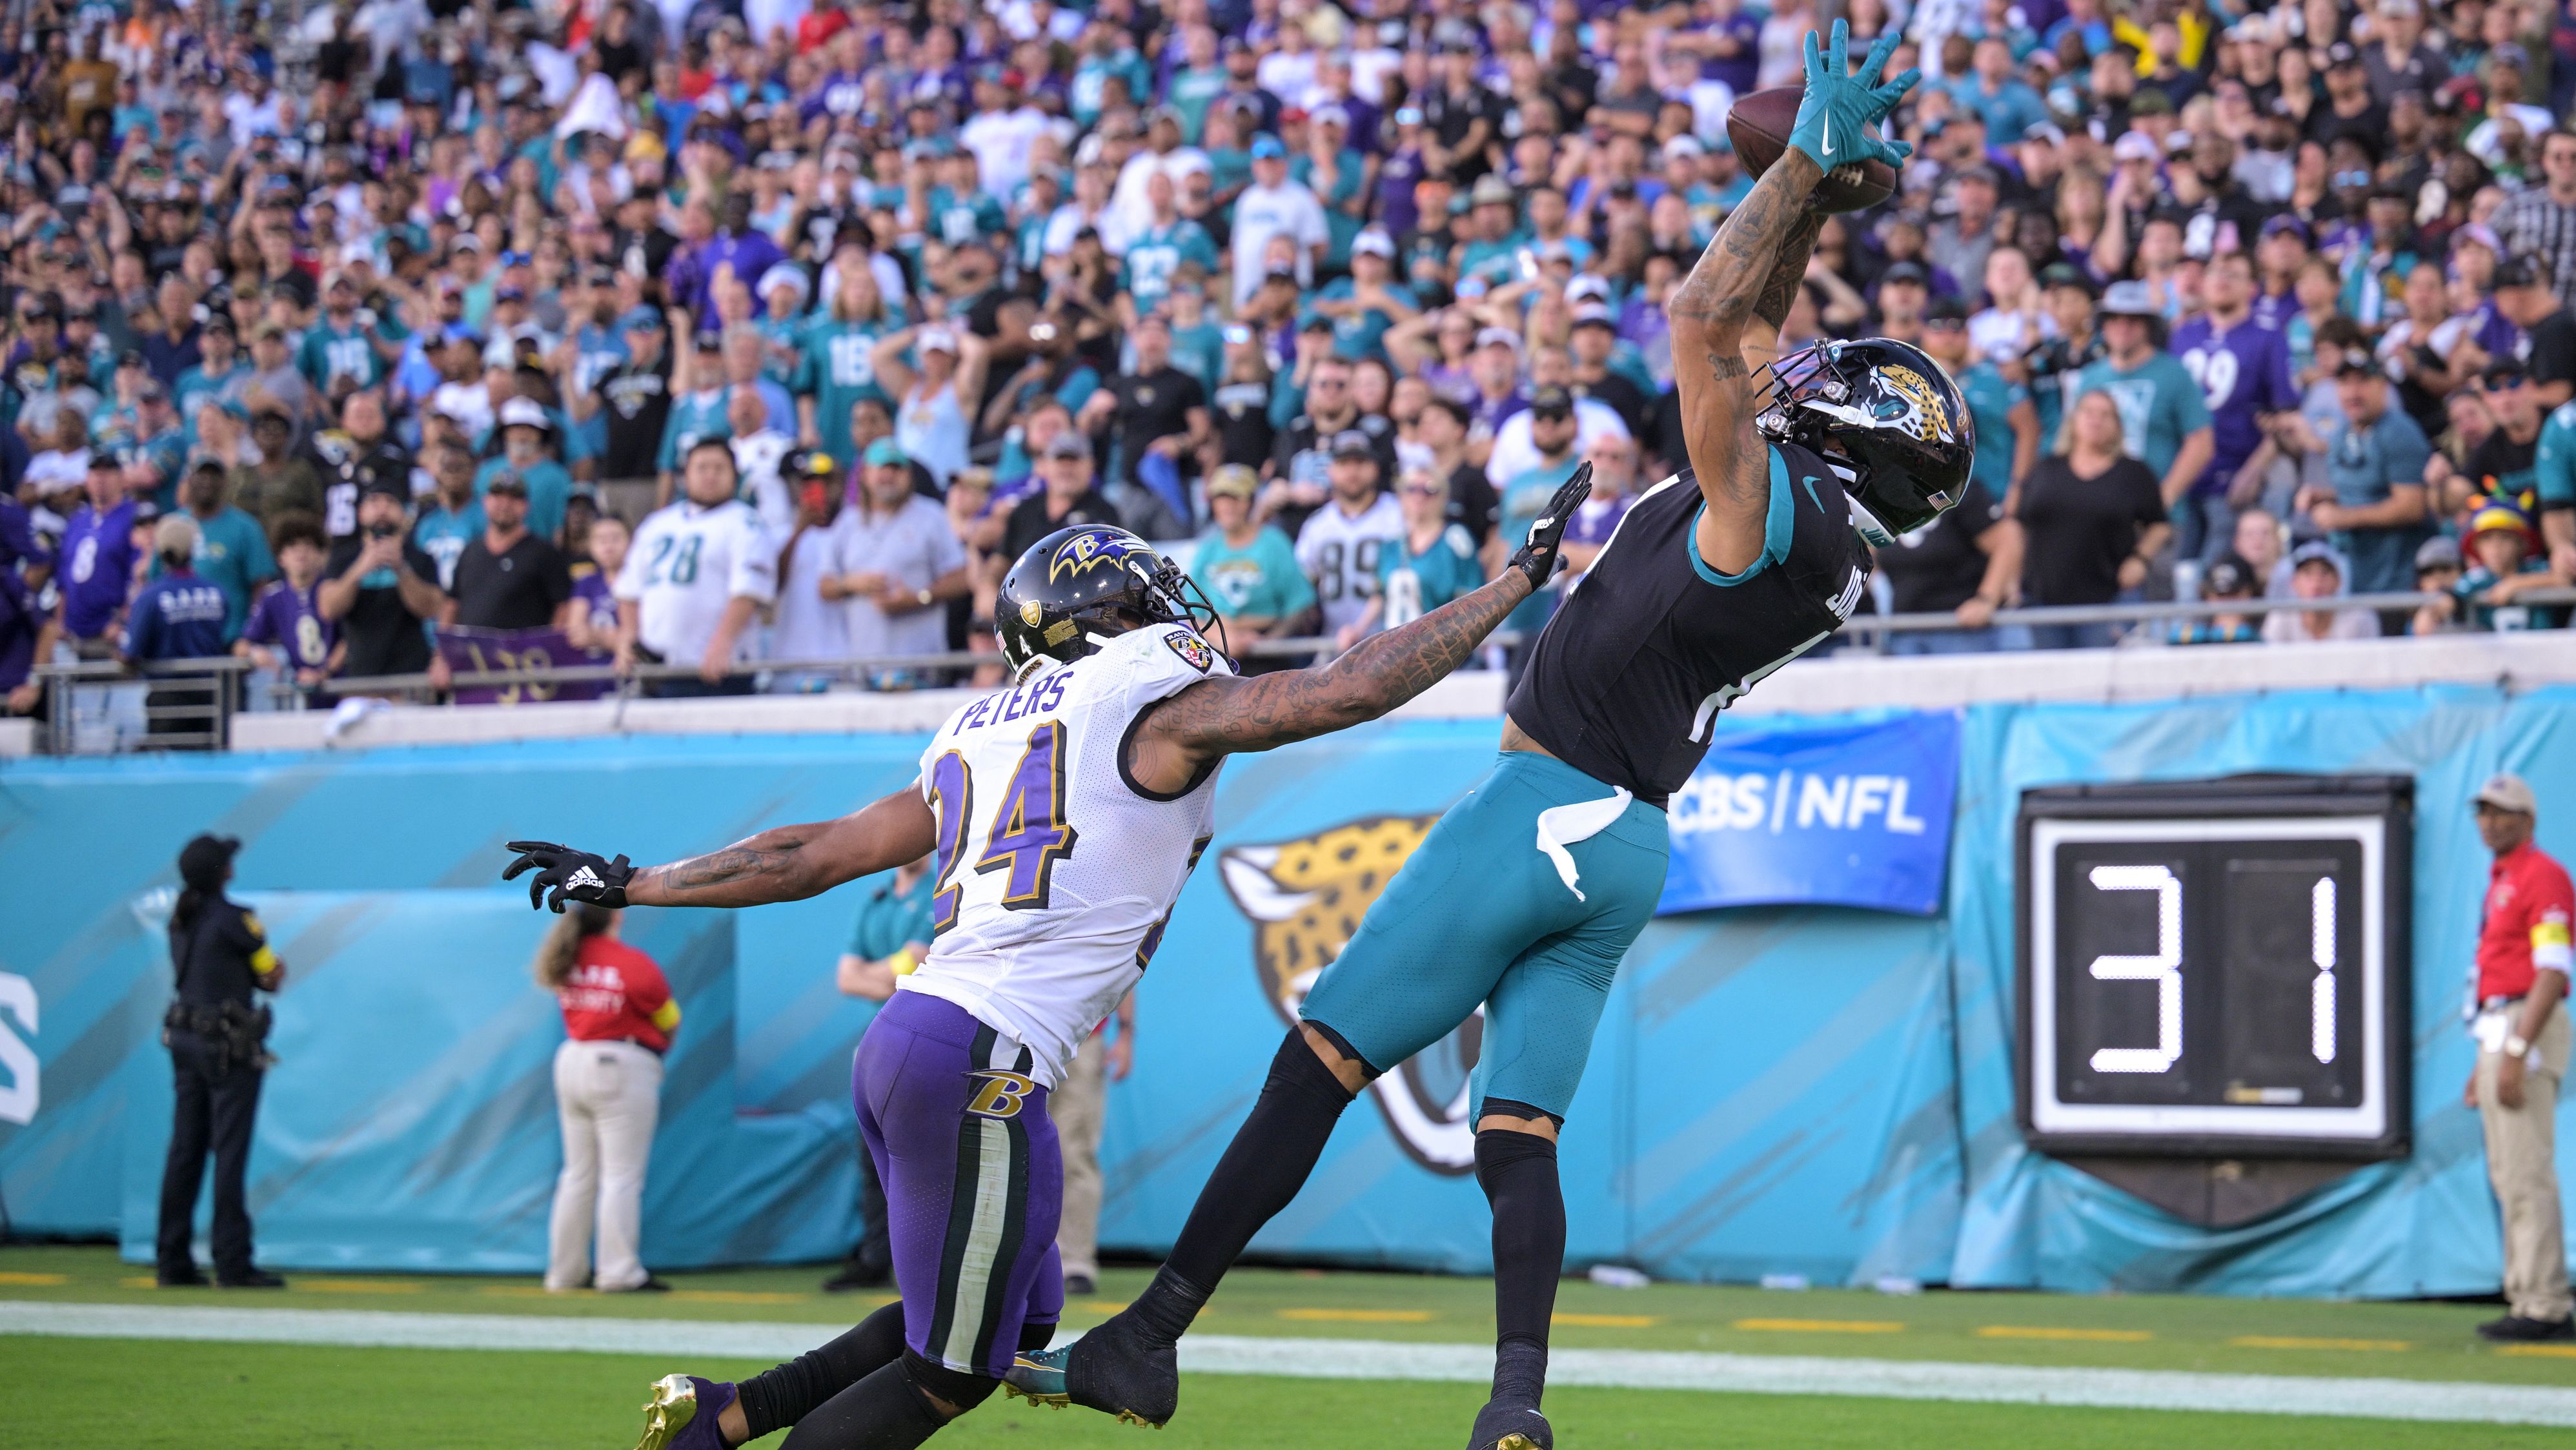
pixel 1091 578
pixel 1888 415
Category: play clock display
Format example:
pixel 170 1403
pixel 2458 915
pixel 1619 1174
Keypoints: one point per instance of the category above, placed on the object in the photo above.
pixel 2215 967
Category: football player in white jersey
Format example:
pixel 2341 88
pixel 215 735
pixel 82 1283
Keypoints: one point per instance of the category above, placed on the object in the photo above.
pixel 699 569
pixel 1064 812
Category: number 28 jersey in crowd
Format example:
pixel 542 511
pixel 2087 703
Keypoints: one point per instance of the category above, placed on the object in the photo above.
pixel 1055 870
pixel 1627 679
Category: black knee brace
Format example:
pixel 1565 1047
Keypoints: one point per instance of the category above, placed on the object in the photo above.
pixel 1036 1335
pixel 963 1390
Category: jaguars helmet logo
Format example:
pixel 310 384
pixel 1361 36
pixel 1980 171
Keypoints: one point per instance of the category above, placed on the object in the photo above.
pixel 1087 551
pixel 1305 898
pixel 1929 420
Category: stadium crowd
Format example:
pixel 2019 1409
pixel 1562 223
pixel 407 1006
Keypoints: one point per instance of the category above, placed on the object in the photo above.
pixel 714 332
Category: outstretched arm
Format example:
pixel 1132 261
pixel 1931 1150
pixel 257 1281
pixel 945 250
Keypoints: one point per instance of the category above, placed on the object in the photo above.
pixel 1726 316
pixel 1181 736
pixel 788 863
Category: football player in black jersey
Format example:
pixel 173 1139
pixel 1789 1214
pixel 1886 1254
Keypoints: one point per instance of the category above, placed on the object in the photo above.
pixel 1527 893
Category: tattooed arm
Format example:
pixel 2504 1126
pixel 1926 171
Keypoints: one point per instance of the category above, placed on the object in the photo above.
pixel 1180 737
pixel 1737 296
pixel 791 863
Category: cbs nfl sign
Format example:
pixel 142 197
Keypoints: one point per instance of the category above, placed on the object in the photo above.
pixel 1845 815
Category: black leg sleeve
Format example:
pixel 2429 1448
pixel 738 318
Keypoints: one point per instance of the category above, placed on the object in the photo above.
pixel 1261 1171
pixel 777 1398
pixel 1518 1172
pixel 885 1411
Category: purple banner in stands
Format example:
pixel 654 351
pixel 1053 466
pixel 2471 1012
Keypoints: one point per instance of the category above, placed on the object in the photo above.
pixel 471 650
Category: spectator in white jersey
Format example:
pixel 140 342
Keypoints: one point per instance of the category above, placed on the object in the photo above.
pixel 1339 545
pixel 699 569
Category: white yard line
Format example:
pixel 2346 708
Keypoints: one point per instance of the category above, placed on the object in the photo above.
pixel 2138 1389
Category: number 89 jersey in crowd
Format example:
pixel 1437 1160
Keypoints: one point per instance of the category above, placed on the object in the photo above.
pixel 1055 870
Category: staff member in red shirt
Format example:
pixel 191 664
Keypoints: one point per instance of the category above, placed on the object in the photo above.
pixel 618 1019
pixel 2523 961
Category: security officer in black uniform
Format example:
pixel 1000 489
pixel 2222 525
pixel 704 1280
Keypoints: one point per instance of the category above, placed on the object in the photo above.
pixel 216 1038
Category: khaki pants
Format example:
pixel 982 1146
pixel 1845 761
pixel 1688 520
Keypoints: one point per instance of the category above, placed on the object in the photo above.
pixel 2521 1163
pixel 608 1095
pixel 1076 1107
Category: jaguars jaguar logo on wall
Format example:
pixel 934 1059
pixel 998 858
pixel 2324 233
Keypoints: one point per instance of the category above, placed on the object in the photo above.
pixel 1305 898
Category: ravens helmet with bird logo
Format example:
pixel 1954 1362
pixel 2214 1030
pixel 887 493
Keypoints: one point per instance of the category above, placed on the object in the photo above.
pixel 1091 578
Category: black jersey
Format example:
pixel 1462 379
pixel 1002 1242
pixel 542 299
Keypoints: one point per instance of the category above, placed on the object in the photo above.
pixel 1626 681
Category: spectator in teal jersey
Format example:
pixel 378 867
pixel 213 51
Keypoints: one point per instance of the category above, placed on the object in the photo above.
pixel 341 343
pixel 889 938
pixel 697 413
pixel 1491 252
pixel 1432 564
pixel 1525 495
pixel 2164 421
pixel 2373 500
pixel 2007 422
pixel 1366 303
pixel 231 553
pixel 782 325
pixel 1196 85
pixel 1198 342
pixel 960 210
pixel 222 372
pixel 1248 570
pixel 2554 480
pixel 526 432
pixel 1156 255
pixel 1337 173
pixel 452 515
pixel 837 367
pixel 1107 54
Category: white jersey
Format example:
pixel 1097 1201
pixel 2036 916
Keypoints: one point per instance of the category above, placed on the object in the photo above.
pixel 686 564
pixel 1340 553
pixel 1055 872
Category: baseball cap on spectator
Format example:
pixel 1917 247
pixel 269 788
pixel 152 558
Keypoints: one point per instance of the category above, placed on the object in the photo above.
pixel 640 319
pixel 1683 145
pixel 1946 314
pixel 1329 114
pixel 2130 299
pixel 886 453
pixel 2506 791
pixel 1314 322
pixel 1266 147
pixel 788 275
pixel 2476 234
pixel 2504 372
pixel 1551 402
pixel 1071 443
pixel 2340 54
pixel 1594 314
pixel 2438 552
pixel 398 490
pixel 2516 272
pixel 2044 132
pixel 2067 274
pixel 1905 274
pixel 1498 337
pixel 935 339
pixel 2281 222
pixel 2316 551
pixel 1373 241
pixel 2355 360
pixel 1490 190
pixel 2151 103
pixel 526 413
pixel 508 293
pixel 2229 576
pixel 507 481
pixel 1352 443
pixel 1233 480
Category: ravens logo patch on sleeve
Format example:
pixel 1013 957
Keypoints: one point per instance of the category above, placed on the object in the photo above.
pixel 1193 650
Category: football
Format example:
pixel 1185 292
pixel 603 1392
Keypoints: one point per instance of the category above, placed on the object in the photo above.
pixel 1759 126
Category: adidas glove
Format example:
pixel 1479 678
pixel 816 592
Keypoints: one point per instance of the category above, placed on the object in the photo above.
pixel 1537 558
pixel 577 875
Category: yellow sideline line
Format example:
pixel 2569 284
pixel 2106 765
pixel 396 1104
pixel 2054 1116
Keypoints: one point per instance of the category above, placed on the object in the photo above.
pixel 37 1280
pixel 357 1286
pixel 738 1296
pixel 1110 1306
pixel 2045 1331
pixel 1611 1321
pixel 1358 1316
pixel 2293 1341
pixel 1823 1326
pixel 2540 1351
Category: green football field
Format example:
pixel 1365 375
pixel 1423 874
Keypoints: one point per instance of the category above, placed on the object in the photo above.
pixel 82 1333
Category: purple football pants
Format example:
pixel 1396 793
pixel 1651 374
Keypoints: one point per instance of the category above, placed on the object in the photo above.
pixel 974 1181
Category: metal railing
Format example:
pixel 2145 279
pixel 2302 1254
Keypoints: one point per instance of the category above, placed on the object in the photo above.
pixel 170 718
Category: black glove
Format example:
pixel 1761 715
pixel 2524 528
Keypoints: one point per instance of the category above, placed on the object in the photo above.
pixel 575 874
pixel 1538 557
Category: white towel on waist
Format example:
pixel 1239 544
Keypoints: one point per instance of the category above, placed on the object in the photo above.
pixel 1562 826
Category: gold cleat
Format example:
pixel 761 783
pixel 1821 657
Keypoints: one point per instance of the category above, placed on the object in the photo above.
pixel 674 1403
pixel 1516 1441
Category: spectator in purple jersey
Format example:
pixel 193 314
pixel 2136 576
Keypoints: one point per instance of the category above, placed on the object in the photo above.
pixel 286 633
pixel 2243 369
pixel 1614 480
pixel 2281 252
pixel 25 562
pixel 594 622
pixel 99 555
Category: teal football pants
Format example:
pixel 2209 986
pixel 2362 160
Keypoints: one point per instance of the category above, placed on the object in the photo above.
pixel 1482 912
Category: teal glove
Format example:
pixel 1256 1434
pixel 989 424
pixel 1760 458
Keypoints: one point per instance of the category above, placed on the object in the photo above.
pixel 1840 105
